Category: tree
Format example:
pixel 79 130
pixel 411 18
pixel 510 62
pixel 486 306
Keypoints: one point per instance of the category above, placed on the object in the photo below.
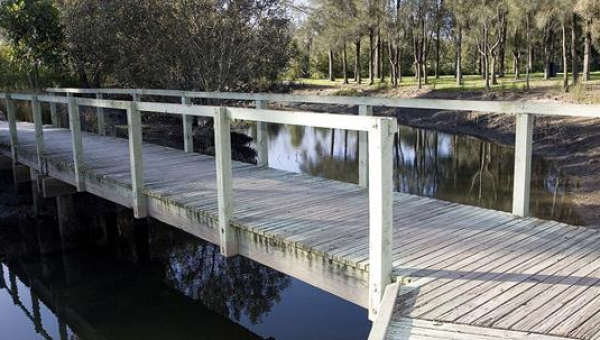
pixel 589 11
pixel 34 33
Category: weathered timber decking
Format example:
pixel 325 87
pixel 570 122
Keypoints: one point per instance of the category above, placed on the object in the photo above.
pixel 459 264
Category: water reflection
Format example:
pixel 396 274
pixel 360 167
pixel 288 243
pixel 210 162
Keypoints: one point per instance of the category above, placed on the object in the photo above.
pixel 145 280
pixel 455 168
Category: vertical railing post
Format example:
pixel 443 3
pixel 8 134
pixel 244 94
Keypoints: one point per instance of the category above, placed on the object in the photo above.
pixel 262 137
pixel 77 142
pixel 12 127
pixel 380 211
pixel 136 97
pixel 134 123
pixel 100 116
pixel 363 149
pixel 36 112
pixel 188 131
pixel 53 113
pixel 228 237
pixel 523 153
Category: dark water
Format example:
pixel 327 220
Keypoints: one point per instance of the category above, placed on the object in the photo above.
pixel 456 168
pixel 145 280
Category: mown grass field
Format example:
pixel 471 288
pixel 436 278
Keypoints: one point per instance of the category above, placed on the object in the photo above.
pixel 584 92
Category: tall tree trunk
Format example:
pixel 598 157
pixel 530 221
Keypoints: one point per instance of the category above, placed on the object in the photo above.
pixel 529 51
pixel 382 49
pixel 587 50
pixel 459 57
pixel 502 49
pixel 357 76
pixel 547 52
pixel 436 66
pixel 345 63
pixel 516 57
pixel 371 56
pixel 565 56
pixel 376 55
pixel 331 73
pixel 493 69
pixel 574 52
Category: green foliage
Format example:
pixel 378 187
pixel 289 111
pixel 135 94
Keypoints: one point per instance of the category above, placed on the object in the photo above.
pixel 34 34
pixel 198 44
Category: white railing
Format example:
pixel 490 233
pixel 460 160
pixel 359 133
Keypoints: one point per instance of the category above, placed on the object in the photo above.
pixel 525 111
pixel 380 132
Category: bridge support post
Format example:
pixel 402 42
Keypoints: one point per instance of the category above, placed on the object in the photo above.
pixel 228 237
pixel 262 138
pixel 100 116
pixel 12 126
pixel 75 125
pixel 134 119
pixel 54 113
pixel 381 199
pixel 523 154
pixel 363 149
pixel 36 111
pixel 188 131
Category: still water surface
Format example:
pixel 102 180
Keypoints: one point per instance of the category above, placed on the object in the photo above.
pixel 456 168
pixel 148 281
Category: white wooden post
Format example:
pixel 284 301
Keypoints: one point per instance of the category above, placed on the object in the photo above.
pixel 136 97
pixel 380 211
pixel 134 122
pixel 36 112
pixel 363 149
pixel 188 132
pixel 54 113
pixel 77 142
pixel 228 237
pixel 12 126
pixel 100 116
pixel 523 151
pixel 262 138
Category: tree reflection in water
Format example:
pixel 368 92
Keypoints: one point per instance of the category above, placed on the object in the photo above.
pixel 455 168
pixel 233 286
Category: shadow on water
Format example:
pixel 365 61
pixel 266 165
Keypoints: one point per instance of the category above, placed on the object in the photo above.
pixel 128 279
pixel 456 168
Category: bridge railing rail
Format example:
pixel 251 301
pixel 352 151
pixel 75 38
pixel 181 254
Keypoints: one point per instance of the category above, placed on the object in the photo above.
pixel 524 111
pixel 379 130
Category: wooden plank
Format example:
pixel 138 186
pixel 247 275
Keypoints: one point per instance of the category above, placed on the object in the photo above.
pixel 380 212
pixel 36 112
pixel 21 174
pixel 523 153
pixel 228 237
pixel 496 106
pixel 77 143
pixel 363 149
pixel 188 131
pixel 12 127
pixel 134 123
pixel 408 329
pixel 100 116
pixel 262 138
pixel 381 324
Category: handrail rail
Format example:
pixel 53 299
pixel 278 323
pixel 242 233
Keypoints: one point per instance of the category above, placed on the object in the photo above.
pixel 379 167
pixel 504 107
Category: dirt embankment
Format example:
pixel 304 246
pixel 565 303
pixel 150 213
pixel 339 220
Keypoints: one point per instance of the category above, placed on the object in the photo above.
pixel 573 144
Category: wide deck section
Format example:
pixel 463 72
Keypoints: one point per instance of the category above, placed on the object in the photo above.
pixel 460 264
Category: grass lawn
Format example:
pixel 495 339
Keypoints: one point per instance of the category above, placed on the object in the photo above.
pixel 585 92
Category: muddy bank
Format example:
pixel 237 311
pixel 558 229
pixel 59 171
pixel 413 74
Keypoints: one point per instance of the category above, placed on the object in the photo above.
pixel 573 144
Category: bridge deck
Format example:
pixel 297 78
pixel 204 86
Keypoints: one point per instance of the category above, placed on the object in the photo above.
pixel 460 264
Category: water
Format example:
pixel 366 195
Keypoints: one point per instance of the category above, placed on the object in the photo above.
pixel 147 281
pixel 456 168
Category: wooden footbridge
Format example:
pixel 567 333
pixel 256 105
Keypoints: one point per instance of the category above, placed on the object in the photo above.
pixel 424 268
